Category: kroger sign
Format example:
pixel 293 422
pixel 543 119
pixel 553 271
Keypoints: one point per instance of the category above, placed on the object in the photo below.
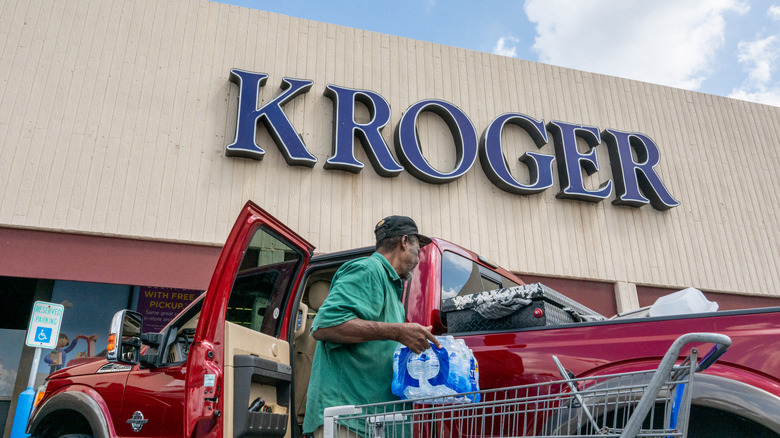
pixel 635 182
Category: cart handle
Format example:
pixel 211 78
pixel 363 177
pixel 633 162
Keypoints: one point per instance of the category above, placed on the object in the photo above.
pixel 664 370
pixel 332 413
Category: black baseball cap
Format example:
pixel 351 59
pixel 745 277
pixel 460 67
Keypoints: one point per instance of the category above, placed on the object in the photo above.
pixel 393 226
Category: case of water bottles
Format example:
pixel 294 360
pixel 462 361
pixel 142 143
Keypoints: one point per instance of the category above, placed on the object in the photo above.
pixel 436 372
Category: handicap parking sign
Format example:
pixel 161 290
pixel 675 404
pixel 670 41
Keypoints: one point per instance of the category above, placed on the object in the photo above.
pixel 44 334
pixel 44 328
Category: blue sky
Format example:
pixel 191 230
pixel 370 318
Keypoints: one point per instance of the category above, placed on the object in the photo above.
pixel 723 47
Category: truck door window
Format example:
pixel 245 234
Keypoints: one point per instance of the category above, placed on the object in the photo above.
pixel 259 290
pixel 461 276
pixel 184 327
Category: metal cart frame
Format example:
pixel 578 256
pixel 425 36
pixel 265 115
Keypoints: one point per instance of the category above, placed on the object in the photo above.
pixel 653 403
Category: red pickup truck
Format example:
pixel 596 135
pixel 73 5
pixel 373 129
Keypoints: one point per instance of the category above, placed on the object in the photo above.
pixel 245 342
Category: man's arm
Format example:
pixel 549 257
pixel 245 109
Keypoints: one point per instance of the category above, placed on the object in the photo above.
pixel 356 330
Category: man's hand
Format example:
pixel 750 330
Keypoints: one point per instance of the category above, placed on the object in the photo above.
pixel 416 337
pixel 411 334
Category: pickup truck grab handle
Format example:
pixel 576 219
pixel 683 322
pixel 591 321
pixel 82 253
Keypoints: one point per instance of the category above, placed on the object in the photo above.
pixel 714 354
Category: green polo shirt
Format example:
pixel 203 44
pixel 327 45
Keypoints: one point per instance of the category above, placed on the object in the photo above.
pixel 352 374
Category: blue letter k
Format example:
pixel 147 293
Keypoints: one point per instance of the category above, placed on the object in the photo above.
pixel 271 114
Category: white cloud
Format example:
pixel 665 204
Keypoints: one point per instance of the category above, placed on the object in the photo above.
pixel 774 12
pixel 506 46
pixel 769 96
pixel 7 379
pixel 760 56
pixel 668 42
pixel 760 59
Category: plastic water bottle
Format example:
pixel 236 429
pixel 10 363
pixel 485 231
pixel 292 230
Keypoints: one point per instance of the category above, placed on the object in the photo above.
pixel 435 372
pixel 424 368
pixel 398 372
pixel 474 378
pixel 462 370
pixel 420 375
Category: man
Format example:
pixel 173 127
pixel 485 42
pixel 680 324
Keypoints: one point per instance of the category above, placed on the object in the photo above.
pixel 361 322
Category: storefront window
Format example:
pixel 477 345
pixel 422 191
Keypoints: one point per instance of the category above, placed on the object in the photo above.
pixel 18 297
pixel 86 320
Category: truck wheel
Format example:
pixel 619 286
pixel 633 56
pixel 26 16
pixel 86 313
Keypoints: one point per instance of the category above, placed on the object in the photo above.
pixel 713 423
pixel 64 424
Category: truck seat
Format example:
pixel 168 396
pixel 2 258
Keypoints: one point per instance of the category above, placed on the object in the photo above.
pixel 305 345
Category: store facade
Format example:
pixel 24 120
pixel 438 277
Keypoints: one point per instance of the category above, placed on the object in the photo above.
pixel 131 133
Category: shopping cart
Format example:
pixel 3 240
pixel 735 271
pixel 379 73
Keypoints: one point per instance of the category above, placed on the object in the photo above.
pixel 654 403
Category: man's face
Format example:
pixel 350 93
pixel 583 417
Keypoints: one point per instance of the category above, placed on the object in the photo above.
pixel 411 257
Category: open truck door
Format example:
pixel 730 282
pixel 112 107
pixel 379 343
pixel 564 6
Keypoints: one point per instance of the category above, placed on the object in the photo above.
pixel 240 353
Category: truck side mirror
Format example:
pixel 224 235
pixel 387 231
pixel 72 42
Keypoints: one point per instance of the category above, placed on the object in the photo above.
pixel 124 341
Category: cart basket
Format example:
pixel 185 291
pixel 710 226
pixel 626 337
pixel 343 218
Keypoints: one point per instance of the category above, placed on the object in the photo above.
pixel 652 403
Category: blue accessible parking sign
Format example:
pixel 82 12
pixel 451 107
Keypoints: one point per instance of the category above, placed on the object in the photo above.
pixel 43 334
pixel 45 324
pixel 43 331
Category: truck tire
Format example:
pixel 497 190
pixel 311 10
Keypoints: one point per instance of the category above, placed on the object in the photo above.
pixel 714 423
pixel 726 408
pixel 69 414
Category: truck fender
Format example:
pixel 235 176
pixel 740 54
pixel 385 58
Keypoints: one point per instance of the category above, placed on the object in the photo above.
pixel 711 391
pixel 739 398
pixel 74 401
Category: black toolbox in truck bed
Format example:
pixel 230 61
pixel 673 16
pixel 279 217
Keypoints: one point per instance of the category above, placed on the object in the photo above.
pixel 529 305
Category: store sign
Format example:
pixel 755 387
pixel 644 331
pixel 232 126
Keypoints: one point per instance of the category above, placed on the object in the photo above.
pixel 635 182
pixel 158 305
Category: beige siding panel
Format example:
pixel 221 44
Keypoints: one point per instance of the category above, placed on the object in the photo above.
pixel 41 102
pixel 19 170
pixel 116 115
